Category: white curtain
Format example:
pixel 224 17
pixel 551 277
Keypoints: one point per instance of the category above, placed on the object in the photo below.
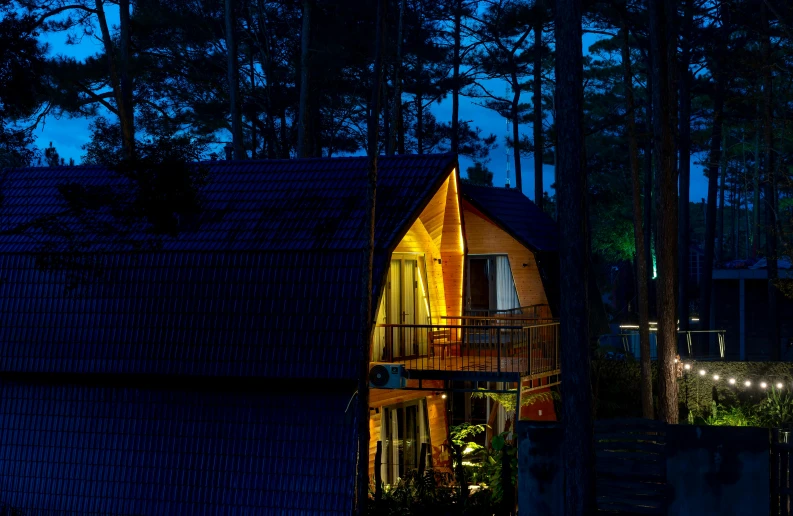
pixel 506 295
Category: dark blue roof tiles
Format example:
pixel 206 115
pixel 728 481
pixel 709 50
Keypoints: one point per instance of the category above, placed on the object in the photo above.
pixel 267 285
pixel 89 450
pixel 272 205
pixel 516 214
pixel 263 314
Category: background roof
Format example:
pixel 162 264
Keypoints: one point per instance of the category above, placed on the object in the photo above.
pixel 268 283
pixel 516 214
pixel 76 449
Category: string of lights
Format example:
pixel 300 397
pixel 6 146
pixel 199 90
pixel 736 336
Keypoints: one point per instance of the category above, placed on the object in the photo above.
pixel 748 381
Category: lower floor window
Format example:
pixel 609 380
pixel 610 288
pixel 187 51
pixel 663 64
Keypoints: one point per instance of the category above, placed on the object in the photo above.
pixel 404 429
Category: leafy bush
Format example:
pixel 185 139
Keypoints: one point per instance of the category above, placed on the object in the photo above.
pixel 425 495
pixel 776 410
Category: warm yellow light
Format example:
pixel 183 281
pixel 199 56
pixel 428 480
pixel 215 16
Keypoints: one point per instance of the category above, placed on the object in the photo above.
pixel 424 293
pixel 763 385
pixel 779 385
pixel 702 372
pixel 732 381
pixel 747 383
pixel 687 366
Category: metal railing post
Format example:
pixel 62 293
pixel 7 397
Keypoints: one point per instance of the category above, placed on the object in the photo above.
pixel 498 343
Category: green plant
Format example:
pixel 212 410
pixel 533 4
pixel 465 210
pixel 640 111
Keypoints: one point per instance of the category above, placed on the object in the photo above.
pixel 739 415
pixel 462 435
pixel 776 410
pixel 500 465
pixel 426 495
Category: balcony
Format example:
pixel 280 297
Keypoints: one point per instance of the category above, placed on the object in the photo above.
pixel 499 347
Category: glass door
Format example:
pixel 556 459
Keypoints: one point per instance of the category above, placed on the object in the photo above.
pixel 407 307
pixel 404 429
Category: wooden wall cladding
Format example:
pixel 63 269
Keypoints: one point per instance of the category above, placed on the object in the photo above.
pixel 485 237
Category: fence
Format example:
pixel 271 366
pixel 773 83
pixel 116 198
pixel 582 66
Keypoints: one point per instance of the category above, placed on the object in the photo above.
pixel 470 347
pixel 781 489
pixel 694 344
pixel 631 466
pixel 541 311
pixel 648 467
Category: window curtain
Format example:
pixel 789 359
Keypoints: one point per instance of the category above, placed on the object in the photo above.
pixel 506 295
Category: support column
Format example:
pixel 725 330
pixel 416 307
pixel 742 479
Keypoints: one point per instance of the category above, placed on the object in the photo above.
pixel 742 317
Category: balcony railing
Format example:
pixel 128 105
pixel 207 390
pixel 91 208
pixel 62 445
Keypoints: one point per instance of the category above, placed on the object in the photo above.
pixel 528 312
pixel 487 346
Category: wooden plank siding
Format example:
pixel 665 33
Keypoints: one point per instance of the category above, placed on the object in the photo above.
pixel 485 237
pixel 438 234
pixel 453 250
pixel 418 240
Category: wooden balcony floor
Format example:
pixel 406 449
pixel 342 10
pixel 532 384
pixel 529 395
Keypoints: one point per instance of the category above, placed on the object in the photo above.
pixel 487 364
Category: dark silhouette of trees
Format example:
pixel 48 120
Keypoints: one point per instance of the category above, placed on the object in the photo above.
pixel 579 455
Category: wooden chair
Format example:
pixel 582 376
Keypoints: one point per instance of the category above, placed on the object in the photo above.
pixel 442 340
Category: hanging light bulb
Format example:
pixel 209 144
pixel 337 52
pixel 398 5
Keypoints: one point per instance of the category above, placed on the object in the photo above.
pixel 747 383
pixel 732 381
pixel 779 385
pixel 716 377
pixel 763 385
pixel 443 396
pixel 702 372
pixel 687 366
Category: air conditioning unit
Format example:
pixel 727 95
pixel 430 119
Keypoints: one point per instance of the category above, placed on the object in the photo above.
pixel 387 376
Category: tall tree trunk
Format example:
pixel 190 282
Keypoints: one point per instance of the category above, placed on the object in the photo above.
pixel 756 232
pixel 122 90
pixel 252 115
pixel 516 129
pixel 684 228
pixel 714 164
pixel 770 184
pixel 285 147
pixel 396 110
pixel 578 454
pixel 539 145
pixel 638 232
pixel 126 107
pixel 735 205
pixel 664 48
pixel 233 78
pixel 419 123
pixel 648 178
pixel 722 187
pixel 271 140
pixel 745 194
pixel 458 16
pixel 304 147
pixel 367 319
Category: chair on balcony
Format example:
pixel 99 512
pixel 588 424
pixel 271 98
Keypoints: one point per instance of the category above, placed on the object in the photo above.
pixel 442 341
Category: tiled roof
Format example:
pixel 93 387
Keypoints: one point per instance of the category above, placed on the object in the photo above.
pixel 267 285
pixel 70 449
pixel 514 212
pixel 279 205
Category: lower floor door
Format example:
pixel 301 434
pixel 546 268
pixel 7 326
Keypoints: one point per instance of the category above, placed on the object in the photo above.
pixel 404 432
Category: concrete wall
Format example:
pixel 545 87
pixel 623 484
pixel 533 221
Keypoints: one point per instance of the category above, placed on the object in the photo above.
pixel 540 475
pixel 717 470
pixel 710 470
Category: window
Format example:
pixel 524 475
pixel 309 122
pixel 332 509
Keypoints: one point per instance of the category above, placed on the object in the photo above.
pixel 404 428
pixel 491 287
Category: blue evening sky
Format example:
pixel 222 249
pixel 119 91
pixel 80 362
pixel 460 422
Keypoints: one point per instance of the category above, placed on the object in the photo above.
pixel 68 135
